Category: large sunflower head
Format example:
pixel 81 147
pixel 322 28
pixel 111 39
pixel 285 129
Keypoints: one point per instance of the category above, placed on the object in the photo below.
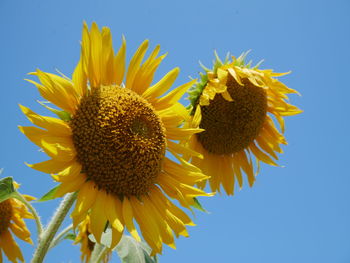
pixel 12 215
pixel 111 142
pixel 235 104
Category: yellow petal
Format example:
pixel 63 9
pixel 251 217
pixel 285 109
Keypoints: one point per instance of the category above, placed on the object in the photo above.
pixel 128 219
pixel 80 78
pixel 261 155
pixel 145 74
pixel 164 229
pixel 247 167
pixel 54 146
pixel 176 110
pixel 226 96
pixel 174 95
pixel 226 170
pixel 176 211
pixel 70 186
pixel 237 171
pixel 181 149
pixel 70 173
pixel 234 75
pixel 119 63
pixel 97 216
pixel 86 199
pixel 107 58
pixel 162 86
pixel 10 247
pixel 95 56
pixel 116 236
pixel 113 207
pixel 266 147
pixel 175 223
pixel 181 133
pixel 182 174
pixel 50 166
pixel 85 49
pixel 135 64
pixel 54 91
pixel 148 227
pixel 53 125
pixel 21 233
pixel 197 117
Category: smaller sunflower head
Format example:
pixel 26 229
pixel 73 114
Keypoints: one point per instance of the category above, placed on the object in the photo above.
pixel 12 213
pixel 234 103
pixel 86 245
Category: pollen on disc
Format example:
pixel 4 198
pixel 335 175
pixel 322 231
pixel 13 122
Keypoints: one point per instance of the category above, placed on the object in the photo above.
pixel 230 126
pixel 119 139
pixel 5 215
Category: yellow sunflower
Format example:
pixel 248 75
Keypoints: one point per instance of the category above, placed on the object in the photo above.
pixel 236 105
pixel 12 213
pixel 86 245
pixel 111 142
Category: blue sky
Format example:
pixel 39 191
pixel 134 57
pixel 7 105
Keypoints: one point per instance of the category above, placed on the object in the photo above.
pixel 298 213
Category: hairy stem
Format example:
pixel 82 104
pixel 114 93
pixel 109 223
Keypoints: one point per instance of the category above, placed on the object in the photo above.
pixel 61 235
pixel 51 229
pixel 34 213
pixel 98 249
pixel 102 254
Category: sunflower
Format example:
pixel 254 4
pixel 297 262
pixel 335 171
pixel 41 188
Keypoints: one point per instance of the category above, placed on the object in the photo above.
pixel 86 245
pixel 236 105
pixel 12 213
pixel 111 142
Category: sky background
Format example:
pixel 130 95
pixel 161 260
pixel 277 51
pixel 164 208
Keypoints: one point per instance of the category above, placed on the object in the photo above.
pixel 296 213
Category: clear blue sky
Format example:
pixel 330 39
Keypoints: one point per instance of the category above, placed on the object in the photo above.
pixel 298 213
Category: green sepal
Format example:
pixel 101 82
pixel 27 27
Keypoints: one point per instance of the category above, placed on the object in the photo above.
pixel 7 190
pixel 197 205
pixel 63 115
pixel 50 195
pixel 195 91
pixel 70 236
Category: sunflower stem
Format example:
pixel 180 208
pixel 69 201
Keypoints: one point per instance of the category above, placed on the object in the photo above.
pixel 51 229
pixel 36 216
pixel 102 254
pixel 60 236
pixel 95 255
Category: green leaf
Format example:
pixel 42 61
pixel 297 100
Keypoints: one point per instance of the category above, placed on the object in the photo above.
pixel 70 236
pixel 7 189
pixel 49 195
pixel 63 115
pixel 198 205
pixel 132 251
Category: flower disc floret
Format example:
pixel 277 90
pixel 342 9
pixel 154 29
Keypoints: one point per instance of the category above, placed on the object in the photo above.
pixel 230 126
pixel 119 140
pixel 5 215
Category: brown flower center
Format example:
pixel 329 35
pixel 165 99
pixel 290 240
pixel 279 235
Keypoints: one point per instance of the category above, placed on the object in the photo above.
pixel 231 126
pixel 5 215
pixel 119 140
